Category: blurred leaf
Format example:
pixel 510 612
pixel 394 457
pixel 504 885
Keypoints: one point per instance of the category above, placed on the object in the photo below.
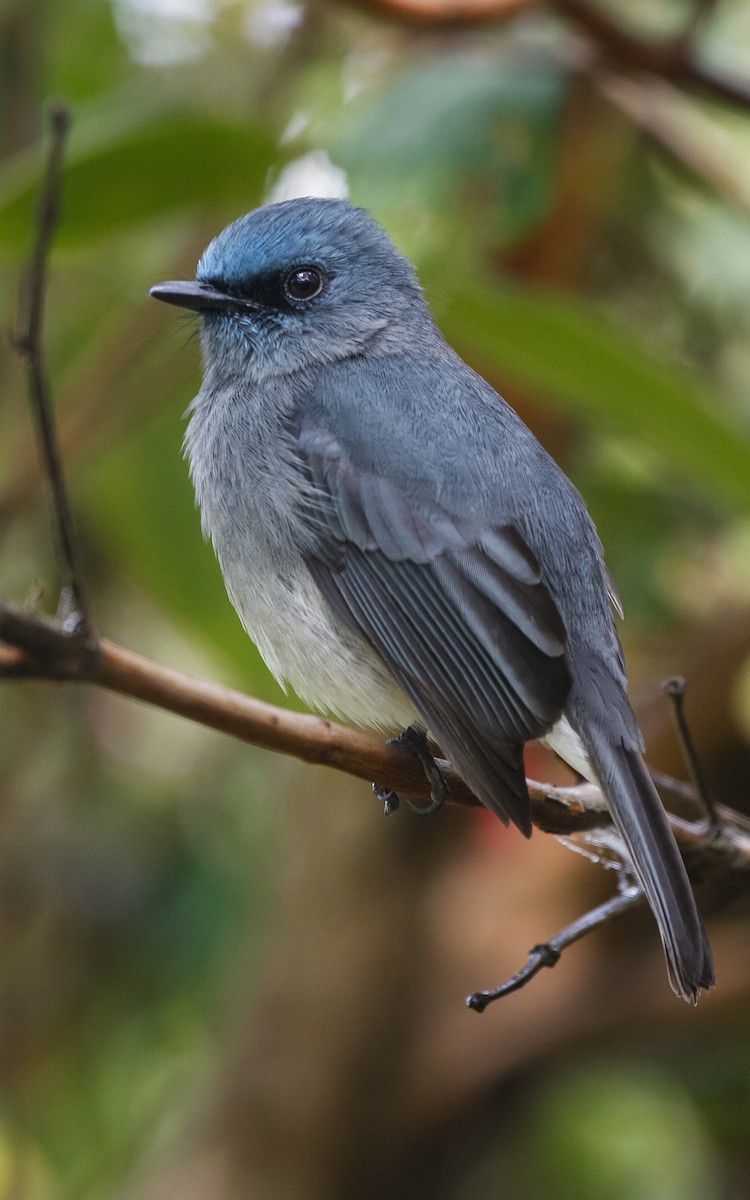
pixel 139 1028
pixel 460 120
pixel 86 55
pixel 570 356
pixel 622 1133
pixel 21 1160
pixel 121 171
pixel 638 515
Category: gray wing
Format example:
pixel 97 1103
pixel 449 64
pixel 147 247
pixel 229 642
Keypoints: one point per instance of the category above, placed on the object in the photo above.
pixel 457 612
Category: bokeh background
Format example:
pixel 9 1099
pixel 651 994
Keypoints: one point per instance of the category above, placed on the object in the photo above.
pixel 222 974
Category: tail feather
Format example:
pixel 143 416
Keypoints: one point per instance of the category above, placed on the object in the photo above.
pixel 642 823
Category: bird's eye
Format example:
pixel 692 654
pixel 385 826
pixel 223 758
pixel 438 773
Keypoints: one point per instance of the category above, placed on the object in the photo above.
pixel 304 283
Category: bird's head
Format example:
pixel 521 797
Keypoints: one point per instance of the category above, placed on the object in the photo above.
pixel 299 284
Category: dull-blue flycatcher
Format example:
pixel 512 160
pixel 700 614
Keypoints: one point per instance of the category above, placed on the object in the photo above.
pixel 396 541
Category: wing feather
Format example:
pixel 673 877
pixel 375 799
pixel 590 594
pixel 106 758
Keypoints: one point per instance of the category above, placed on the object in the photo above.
pixel 458 612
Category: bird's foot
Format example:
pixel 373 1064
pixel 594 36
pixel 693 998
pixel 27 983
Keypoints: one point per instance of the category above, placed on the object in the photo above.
pixel 389 798
pixel 414 740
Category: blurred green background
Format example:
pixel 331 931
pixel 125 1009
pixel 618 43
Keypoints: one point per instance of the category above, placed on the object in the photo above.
pixel 222 974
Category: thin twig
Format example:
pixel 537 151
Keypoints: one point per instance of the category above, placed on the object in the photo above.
pixel 675 787
pixel 675 690
pixel 29 343
pixel 548 954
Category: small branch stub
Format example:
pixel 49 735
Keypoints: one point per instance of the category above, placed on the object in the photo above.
pixel 675 690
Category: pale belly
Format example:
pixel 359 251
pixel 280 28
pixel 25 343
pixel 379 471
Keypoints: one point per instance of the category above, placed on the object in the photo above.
pixel 332 670
pixel 329 668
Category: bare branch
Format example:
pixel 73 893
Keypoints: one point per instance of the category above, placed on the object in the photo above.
pixel 548 954
pixel 672 58
pixel 29 343
pixel 452 14
pixel 38 648
pixel 721 849
pixel 675 690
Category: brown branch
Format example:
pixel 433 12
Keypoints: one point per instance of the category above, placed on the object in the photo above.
pixel 29 344
pixel 36 647
pixel 453 14
pixel 668 57
pixel 672 59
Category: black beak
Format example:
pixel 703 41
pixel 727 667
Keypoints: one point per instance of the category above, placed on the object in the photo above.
pixel 193 293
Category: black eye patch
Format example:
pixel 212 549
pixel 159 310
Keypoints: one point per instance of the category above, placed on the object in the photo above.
pixel 285 290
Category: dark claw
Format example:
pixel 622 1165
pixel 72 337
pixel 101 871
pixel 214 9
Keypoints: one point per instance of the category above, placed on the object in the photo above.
pixel 414 740
pixel 391 802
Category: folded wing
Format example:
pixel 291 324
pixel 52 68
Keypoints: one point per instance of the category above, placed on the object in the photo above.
pixel 458 612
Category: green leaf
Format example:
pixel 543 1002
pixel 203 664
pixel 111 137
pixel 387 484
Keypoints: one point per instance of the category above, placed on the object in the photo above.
pixel 570 356
pixel 121 171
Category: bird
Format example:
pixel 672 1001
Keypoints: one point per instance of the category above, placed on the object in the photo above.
pixel 396 541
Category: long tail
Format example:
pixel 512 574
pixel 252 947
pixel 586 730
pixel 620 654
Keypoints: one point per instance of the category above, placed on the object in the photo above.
pixel 642 823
